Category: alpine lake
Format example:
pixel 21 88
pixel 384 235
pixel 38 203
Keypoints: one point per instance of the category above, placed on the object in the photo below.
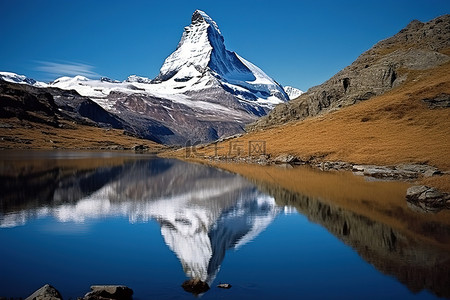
pixel 75 219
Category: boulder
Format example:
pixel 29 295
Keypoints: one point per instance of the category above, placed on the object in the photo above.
pixel 47 292
pixel 195 286
pixel 427 199
pixel 109 292
pixel 140 148
pixel 285 159
pixel 403 171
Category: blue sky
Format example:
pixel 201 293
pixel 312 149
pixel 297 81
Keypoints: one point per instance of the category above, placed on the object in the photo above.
pixel 298 43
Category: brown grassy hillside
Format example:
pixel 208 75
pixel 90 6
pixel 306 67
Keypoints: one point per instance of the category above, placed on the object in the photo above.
pixel 396 127
pixel 16 134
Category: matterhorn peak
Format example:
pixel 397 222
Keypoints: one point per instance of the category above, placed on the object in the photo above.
pixel 201 55
pixel 200 16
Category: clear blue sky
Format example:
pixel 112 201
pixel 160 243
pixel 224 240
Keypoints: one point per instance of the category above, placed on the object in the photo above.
pixel 298 43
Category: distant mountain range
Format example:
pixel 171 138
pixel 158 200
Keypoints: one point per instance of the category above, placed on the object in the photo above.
pixel 203 91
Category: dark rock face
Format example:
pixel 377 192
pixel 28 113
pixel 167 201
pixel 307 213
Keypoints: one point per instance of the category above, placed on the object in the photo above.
pixel 440 101
pixel 168 122
pixel 47 292
pixel 27 103
pixel 48 105
pixel 83 109
pixel 109 292
pixel 383 67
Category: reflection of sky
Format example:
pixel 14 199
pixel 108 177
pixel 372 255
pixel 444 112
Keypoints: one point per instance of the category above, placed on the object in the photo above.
pixel 191 215
pixel 119 229
pixel 205 214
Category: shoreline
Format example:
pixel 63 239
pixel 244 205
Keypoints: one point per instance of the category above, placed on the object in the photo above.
pixel 429 189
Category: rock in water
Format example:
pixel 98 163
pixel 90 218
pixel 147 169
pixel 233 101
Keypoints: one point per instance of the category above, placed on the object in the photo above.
pixel 107 292
pixel 47 292
pixel 427 198
pixel 224 286
pixel 195 286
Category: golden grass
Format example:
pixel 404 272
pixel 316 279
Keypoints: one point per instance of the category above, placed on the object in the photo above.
pixel 27 135
pixel 397 127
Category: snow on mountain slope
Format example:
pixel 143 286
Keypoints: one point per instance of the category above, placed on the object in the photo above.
pixel 292 92
pixel 200 62
pixel 22 79
pixel 201 53
pixel 203 91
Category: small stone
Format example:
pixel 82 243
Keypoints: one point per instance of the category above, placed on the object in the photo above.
pixel 358 168
pixel 430 172
pixel 140 148
pixel 195 286
pixel 285 159
pixel 47 292
pixel 224 286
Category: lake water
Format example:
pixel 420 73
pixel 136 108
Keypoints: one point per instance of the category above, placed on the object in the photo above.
pixel 74 219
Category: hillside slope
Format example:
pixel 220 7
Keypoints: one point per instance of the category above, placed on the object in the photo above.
pixel 388 64
pixel 409 124
pixel 50 118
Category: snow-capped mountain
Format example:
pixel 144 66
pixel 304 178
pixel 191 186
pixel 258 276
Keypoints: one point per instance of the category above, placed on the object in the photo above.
pixel 22 79
pixel 201 58
pixel 292 92
pixel 203 91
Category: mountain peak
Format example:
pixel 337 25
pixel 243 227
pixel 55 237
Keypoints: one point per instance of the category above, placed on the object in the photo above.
pixel 200 16
pixel 201 56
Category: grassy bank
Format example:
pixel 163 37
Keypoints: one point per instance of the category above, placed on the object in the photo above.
pixel 394 128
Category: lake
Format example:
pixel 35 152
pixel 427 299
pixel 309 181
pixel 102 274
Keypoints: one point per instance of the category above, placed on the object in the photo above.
pixel 75 219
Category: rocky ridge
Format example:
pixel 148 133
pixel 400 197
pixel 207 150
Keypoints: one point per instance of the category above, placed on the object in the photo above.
pixel 386 65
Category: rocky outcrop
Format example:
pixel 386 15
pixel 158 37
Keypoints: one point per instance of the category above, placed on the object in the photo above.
pixel 168 122
pixel 20 101
pixel 419 46
pixel 51 105
pixel 404 171
pixel 47 292
pixel 440 101
pixel 427 199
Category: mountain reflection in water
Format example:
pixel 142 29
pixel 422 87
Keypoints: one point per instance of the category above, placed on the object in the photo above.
pixel 203 212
